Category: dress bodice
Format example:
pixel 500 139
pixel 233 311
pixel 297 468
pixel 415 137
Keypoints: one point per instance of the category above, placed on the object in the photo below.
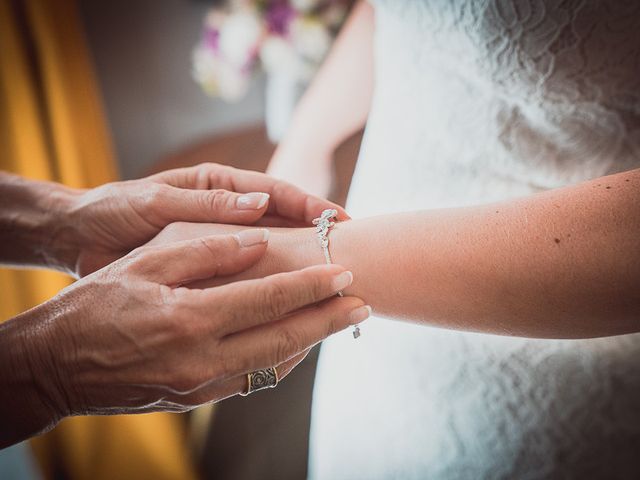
pixel 533 94
pixel 479 101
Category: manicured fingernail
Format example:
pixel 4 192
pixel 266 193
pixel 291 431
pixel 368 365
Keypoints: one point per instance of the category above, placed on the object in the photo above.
pixel 255 236
pixel 342 281
pixel 252 201
pixel 360 314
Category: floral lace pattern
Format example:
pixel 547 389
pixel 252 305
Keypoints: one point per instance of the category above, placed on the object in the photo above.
pixel 478 101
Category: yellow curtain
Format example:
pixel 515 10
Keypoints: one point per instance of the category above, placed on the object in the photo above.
pixel 52 128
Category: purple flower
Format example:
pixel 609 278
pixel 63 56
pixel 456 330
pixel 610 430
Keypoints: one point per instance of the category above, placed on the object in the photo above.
pixel 278 17
pixel 211 39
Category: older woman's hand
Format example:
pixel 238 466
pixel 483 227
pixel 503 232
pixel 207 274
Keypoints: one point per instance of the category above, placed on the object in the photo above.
pixel 98 226
pixel 131 339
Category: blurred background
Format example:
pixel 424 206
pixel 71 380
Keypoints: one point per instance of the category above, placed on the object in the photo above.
pixel 142 51
pixel 118 90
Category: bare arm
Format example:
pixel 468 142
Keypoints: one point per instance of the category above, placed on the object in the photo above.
pixel 30 211
pixel 561 264
pixel 335 106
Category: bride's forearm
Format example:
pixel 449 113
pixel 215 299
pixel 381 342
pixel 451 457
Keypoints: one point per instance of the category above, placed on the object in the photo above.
pixel 562 264
pixel 334 107
pixel 338 101
pixel 565 263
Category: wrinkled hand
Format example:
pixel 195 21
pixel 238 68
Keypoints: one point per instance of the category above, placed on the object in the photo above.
pixel 107 222
pixel 289 249
pixel 130 338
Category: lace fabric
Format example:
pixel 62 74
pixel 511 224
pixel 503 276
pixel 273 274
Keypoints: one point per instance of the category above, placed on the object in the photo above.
pixel 479 101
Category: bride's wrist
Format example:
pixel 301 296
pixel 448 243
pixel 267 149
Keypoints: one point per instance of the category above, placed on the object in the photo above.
pixel 297 248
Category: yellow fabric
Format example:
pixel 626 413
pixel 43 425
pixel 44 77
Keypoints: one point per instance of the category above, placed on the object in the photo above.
pixel 52 128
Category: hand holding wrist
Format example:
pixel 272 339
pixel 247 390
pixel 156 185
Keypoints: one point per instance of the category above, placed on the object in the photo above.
pixel 289 249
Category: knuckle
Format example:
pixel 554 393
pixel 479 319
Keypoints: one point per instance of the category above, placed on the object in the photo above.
pixel 332 326
pixel 208 246
pixel 173 228
pixel 335 314
pixel 275 299
pixel 187 327
pixel 153 194
pixel 216 200
pixel 139 257
pixel 205 169
pixel 219 176
pixel 150 200
pixel 316 286
pixel 202 175
pixel 176 314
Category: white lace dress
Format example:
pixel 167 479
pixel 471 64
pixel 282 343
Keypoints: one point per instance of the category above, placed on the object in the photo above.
pixel 479 101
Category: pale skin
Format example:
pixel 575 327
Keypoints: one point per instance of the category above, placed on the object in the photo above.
pixel 335 106
pixel 129 337
pixel 560 264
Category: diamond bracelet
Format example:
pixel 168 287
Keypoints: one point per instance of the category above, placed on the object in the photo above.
pixel 323 224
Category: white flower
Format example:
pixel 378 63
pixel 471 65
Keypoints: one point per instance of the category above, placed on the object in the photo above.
pixel 232 83
pixel 239 37
pixel 203 65
pixel 218 77
pixel 278 55
pixel 311 38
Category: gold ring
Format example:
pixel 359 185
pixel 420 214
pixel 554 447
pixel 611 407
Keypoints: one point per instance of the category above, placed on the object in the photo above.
pixel 261 379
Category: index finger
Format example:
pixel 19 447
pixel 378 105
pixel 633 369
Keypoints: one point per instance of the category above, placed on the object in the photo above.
pixel 287 201
pixel 250 303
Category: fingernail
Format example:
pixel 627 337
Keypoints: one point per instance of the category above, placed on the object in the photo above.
pixel 252 201
pixel 254 236
pixel 342 281
pixel 360 314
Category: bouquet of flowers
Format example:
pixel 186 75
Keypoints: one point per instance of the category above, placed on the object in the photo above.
pixel 285 36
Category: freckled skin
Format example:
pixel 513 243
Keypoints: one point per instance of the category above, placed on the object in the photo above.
pixel 468 268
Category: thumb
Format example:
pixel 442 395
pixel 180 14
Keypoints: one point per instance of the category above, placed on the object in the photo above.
pixel 199 258
pixel 220 206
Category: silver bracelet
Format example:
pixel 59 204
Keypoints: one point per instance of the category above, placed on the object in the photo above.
pixel 323 224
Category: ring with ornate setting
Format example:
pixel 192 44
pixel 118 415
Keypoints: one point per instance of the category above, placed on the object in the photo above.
pixel 261 379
